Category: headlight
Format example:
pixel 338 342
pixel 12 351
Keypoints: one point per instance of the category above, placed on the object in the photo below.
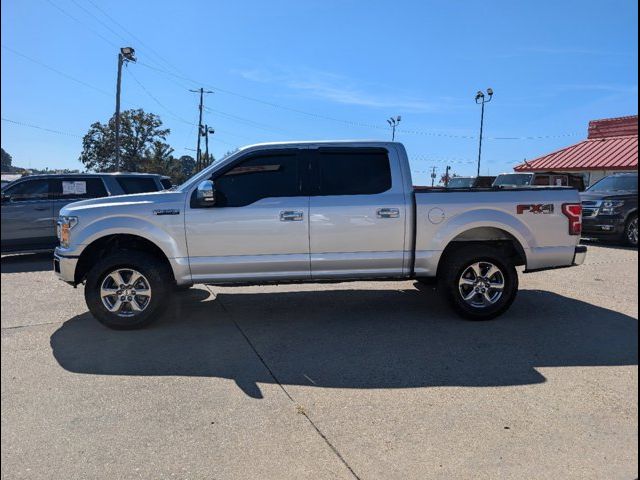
pixel 64 226
pixel 609 207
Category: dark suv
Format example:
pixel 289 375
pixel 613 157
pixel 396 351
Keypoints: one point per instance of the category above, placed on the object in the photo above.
pixel 30 205
pixel 610 208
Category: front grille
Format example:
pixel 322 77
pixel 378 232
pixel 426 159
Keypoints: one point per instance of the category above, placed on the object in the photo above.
pixel 590 208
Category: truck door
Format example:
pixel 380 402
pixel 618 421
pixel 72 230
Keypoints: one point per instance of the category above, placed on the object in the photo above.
pixel 259 227
pixel 357 213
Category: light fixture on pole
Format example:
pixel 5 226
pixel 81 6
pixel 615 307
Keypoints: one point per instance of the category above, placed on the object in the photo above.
pixel 393 123
pixel 481 99
pixel 127 54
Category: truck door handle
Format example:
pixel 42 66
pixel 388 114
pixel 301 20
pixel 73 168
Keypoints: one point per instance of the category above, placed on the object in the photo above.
pixel 40 209
pixel 388 212
pixel 291 216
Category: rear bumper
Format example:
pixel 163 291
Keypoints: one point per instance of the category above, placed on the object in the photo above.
pixel 65 267
pixel 579 256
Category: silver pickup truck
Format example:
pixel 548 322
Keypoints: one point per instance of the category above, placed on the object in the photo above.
pixel 311 212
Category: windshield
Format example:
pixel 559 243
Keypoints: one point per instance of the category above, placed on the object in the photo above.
pixel 615 183
pixel 513 180
pixel 460 182
pixel 188 180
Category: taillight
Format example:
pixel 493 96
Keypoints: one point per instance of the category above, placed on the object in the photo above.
pixel 573 211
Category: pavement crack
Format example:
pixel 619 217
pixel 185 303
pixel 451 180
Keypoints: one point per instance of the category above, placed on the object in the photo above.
pixel 28 325
pixel 299 408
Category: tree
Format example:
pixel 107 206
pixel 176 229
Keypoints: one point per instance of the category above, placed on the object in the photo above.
pixel 187 166
pixel 6 158
pixel 159 159
pixel 139 133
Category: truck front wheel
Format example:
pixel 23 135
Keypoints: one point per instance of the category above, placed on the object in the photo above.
pixel 125 290
pixel 480 282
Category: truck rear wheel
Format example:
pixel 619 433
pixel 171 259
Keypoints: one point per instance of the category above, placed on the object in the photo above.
pixel 480 282
pixel 125 290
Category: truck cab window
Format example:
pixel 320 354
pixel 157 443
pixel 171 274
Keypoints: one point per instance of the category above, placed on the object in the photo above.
pixel 265 176
pixel 354 172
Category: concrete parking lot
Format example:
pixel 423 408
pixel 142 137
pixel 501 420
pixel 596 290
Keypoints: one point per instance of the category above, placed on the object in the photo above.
pixel 369 380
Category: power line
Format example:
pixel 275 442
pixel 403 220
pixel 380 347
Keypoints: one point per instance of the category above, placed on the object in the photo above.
pixel 50 130
pixel 77 80
pixel 155 99
pixel 99 21
pixel 128 32
pixel 246 121
pixel 64 12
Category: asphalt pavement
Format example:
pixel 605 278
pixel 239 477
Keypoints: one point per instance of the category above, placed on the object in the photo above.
pixel 368 380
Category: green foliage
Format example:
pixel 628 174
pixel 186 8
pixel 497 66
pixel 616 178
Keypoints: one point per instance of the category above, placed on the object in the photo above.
pixel 6 158
pixel 143 148
pixel 139 133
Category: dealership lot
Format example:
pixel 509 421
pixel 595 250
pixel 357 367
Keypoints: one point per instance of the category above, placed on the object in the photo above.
pixel 352 380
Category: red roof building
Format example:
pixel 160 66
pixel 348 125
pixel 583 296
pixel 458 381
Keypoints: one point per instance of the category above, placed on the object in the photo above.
pixel 611 146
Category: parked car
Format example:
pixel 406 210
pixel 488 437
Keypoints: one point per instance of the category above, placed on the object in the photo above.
pixel 31 205
pixel 306 212
pixel 539 179
pixel 471 182
pixel 610 208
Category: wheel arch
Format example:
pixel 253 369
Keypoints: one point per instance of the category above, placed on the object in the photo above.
pixel 485 235
pixel 102 246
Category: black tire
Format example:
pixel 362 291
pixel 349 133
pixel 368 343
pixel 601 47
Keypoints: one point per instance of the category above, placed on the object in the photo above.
pixel 457 264
pixel 629 237
pixel 155 273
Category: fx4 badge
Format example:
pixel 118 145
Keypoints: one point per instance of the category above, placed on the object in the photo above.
pixel 538 208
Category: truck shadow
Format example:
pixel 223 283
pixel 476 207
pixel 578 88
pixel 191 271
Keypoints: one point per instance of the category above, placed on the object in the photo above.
pixel 352 339
pixel 27 262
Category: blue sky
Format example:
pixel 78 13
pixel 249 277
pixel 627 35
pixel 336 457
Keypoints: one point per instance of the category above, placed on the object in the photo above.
pixel 284 70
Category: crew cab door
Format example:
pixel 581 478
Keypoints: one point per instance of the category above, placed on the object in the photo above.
pixel 357 213
pixel 258 228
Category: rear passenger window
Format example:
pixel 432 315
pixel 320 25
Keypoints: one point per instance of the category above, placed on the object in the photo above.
pixel 354 172
pixel 137 184
pixel 78 188
pixel 264 176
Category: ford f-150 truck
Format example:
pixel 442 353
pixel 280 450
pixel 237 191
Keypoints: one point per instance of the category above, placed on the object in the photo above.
pixel 312 212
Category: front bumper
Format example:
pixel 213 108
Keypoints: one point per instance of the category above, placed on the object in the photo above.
pixel 65 267
pixel 602 226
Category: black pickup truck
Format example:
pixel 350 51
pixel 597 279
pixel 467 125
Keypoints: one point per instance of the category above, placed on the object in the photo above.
pixel 610 209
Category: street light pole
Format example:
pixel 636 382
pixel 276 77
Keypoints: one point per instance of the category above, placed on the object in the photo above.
pixel 207 131
pixel 393 123
pixel 126 54
pixel 481 99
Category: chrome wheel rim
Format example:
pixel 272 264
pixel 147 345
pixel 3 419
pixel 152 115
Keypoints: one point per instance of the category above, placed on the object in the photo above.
pixel 481 284
pixel 632 232
pixel 125 292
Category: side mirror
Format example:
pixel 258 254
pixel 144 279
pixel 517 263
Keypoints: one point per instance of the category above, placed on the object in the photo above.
pixel 6 198
pixel 206 194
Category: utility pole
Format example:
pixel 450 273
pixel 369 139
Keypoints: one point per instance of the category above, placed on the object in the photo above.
pixel 433 175
pixel 446 176
pixel 202 91
pixel 126 54
pixel 481 99
pixel 393 123
pixel 207 131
